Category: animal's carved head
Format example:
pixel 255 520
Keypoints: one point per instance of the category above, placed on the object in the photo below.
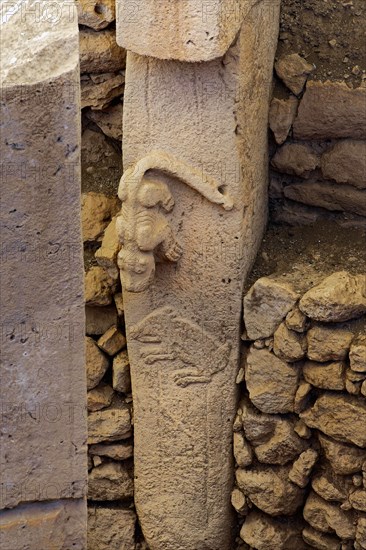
pixel 137 269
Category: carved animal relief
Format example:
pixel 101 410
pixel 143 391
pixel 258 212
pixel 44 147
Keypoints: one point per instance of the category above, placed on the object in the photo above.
pixel 190 354
pixel 143 229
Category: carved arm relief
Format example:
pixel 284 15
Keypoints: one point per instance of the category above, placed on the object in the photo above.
pixel 143 229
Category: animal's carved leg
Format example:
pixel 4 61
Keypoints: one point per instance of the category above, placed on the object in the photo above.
pixel 184 377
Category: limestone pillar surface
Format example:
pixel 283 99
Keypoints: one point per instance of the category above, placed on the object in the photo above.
pixel 43 387
pixel 194 204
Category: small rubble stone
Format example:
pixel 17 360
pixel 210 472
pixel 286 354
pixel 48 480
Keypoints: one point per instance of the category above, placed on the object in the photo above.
pixel 121 373
pixel 109 424
pixel 96 363
pixel 112 341
pixel 295 159
pixel 257 426
pixel 111 481
pixel 319 540
pixel 242 451
pixel 118 300
pixel 266 305
pixel 117 451
pixel 344 459
pixel 330 196
pixel 302 467
pixel 328 376
pixel 99 287
pixel 271 382
pixel 357 355
pixel 270 489
pixel 99 319
pixel 302 430
pixel 361 532
pixel 100 397
pixel 96 211
pixel 293 70
pixel 339 297
pixel 263 532
pixel 328 344
pixel 328 518
pixel 345 162
pixel 239 501
pixel 283 445
pixel 340 416
pixel 106 255
pixel 330 486
pixel 358 500
pixel 111 528
pixel 96 14
pixel 97 91
pixel 296 320
pixel 288 344
pixel 99 52
pixel 331 110
pixel 109 120
pixel 282 114
pixel 302 397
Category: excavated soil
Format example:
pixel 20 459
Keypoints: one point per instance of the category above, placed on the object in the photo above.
pixel 325 248
pixel 331 34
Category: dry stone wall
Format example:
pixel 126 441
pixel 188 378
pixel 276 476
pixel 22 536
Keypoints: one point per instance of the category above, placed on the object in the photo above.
pixel 318 115
pixel 299 434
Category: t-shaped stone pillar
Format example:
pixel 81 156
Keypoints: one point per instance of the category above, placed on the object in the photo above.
pixel 43 386
pixel 194 197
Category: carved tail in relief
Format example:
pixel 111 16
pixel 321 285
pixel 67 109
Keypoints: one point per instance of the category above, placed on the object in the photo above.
pixel 143 230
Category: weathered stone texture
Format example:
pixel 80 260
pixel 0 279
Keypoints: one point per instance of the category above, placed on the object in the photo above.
pixel 57 525
pixel 293 70
pixel 337 298
pixel 111 481
pixel 339 416
pixel 43 384
pixel 185 32
pixel 99 52
pixel 266 305
pixel 345 162
pixel 262 532
pixel 271 382
pixel 331 110
pixel 109 424
pixel 282 113
pixel 183 394
pixel 296 159
pixel 111 528
pixel 96 14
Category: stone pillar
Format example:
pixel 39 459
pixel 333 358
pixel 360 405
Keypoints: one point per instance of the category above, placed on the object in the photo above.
pixel 194 194
pixel 43 386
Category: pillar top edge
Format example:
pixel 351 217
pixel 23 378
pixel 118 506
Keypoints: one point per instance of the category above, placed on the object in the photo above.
pixel 39 41
pixel 182 30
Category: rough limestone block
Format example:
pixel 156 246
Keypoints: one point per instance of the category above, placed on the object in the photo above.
pixel 345 162
pixel 43 383
pixel 296 159
pixel 265 306
pixel 271 382
pixel 111 528
pixel 339 297
pixel 331 110
pixel 340 416
pixel 293 70
pixel 182 328
pixel 262 532
pixel 57 525
pixel 186 30
pixel 96 14
pixel 111 481
pixel 282 113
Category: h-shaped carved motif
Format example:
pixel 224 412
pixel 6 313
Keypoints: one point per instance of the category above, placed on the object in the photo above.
pixel 143 229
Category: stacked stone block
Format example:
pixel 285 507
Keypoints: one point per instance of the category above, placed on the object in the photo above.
pixel 300 429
